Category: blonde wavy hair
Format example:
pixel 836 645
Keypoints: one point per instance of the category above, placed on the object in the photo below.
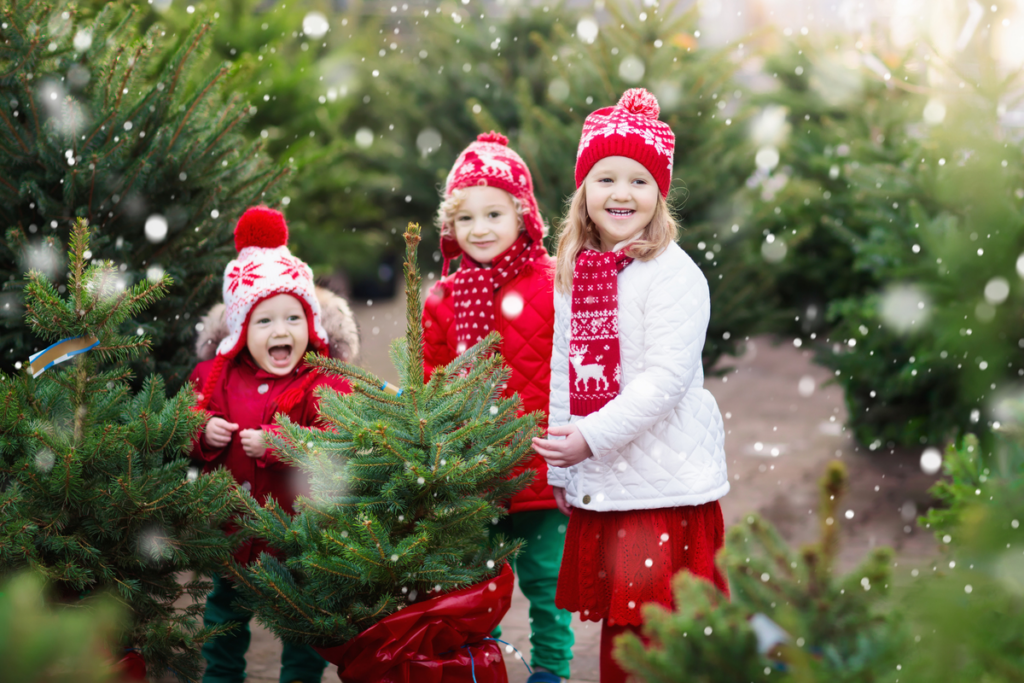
pixel 450 206
pixel 577 230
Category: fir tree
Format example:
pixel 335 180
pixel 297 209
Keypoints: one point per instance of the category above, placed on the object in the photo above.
pixel 839 629
pixel 95 488
pixel 967 608
pixel 96 121
pixel 404 489
pixel 837 145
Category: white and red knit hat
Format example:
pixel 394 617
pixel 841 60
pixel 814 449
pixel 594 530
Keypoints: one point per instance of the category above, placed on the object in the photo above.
pixel 629 129
pixel 265 268
pixel 490 161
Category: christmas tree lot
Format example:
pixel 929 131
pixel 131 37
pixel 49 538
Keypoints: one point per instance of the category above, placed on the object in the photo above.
pixel 96 494
pixel 100 119
pixel 395 532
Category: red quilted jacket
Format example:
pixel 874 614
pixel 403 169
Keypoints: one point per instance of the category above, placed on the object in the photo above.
pixel 525 345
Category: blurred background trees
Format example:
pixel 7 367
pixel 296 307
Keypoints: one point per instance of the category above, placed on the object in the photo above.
pixel 857 187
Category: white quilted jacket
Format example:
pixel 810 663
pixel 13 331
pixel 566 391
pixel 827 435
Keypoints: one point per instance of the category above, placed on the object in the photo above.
pixel 660 442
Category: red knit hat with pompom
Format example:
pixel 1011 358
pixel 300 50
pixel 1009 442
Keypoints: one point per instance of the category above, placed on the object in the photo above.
pixel 629 129
pixel 265 268
pixel 490 161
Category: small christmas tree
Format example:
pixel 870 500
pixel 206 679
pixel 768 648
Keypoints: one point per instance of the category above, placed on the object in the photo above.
pixel 786 605
pixel 404 489
pixel 97 122
pixel 95 488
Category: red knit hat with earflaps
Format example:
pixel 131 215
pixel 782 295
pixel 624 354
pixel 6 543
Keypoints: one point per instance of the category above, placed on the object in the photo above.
pixel 263 269
pixel 491 162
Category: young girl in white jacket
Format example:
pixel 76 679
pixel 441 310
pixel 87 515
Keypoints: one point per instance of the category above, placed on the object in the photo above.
pixel 635 448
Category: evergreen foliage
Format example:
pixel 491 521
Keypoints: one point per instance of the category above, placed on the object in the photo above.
pixel 95 488
pixel 98 122
pixel 974 472
pixel 711 639
pixel 342 214
pixel 967 611
pixel 838 625
pixel 404 490
pixel 40 644
pixel 533 75
pixel 846 140
pixel 960 619
pixel 897 203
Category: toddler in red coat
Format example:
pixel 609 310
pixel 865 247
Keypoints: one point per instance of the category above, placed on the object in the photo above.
pixel 505 283
pixel 252 348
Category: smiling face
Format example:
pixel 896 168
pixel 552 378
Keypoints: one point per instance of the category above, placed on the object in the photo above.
pixel 621 199
pixel 485 223
pixel 278 334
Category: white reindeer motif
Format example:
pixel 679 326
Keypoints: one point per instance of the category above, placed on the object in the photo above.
pixel 584 373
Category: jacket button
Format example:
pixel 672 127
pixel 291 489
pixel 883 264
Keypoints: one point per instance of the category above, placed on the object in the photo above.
pixel 246 486
pixel 586 500
pixel 263 388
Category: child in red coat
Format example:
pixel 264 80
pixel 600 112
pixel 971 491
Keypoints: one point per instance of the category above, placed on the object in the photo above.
pixel 505 283
pixel 271 316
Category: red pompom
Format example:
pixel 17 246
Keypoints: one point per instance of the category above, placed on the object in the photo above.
pixel 261 226
pixel 492 137
pixel 639 101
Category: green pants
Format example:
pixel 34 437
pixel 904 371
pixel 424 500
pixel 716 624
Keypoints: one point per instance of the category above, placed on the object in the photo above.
pixel 551 636
pixel 225 656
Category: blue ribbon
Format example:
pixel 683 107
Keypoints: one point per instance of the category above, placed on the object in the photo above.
pixel 472 664
pixel 70 350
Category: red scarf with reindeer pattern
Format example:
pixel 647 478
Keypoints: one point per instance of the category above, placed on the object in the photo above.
pixel 594 360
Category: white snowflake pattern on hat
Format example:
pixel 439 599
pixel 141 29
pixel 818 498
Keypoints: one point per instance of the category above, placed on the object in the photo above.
pixel 265 268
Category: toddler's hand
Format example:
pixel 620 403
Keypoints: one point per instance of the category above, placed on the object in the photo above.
pixel 571 450
pixel 218 432
pixel 252 442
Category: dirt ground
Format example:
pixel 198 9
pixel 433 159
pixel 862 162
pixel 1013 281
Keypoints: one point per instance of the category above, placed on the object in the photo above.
pixel 783 423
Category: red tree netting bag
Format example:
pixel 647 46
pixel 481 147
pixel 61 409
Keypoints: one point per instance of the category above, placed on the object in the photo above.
pixel 441 640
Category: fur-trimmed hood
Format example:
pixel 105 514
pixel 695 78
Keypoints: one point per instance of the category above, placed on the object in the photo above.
pixel 337 318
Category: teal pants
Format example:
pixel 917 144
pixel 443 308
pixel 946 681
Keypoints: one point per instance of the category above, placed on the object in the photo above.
pixel 551 636
pixel 225 656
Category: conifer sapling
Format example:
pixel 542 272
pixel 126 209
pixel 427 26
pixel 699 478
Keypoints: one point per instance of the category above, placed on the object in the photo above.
pixel 403 490
pixel 95 488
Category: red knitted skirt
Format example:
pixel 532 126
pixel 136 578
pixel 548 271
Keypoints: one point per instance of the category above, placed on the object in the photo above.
pixel 614 562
